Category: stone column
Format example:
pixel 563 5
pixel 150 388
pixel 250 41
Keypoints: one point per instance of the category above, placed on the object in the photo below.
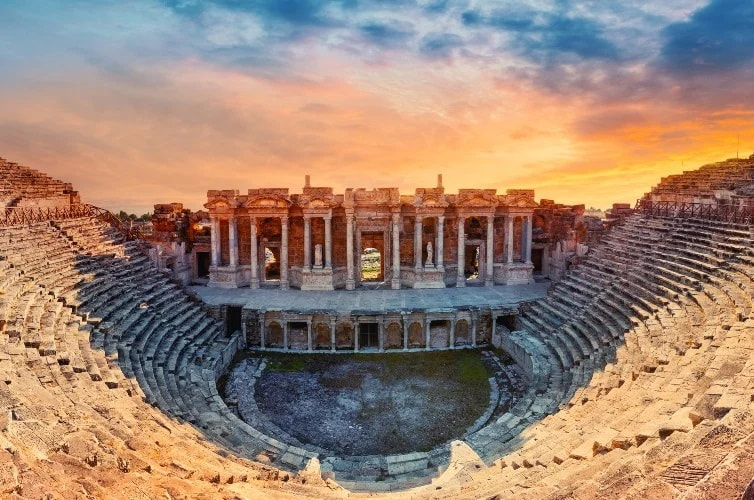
pixel 405 333
pixel 309 334
pixel 440 247
pixel 328 242
pixel 233 240
pixel 528 238
pixel 461 278
pixel 356 336
pixel 254 254
pixel 427 322
pixel 381 334
pixel 418 221
pixel 285 334
pixel 489 274
pixel 215 240
pixel 350 282
pixel 284 253
pixel 261 330
pixel 395 283
pixel 452 336
pixel 509 239
pixel 332 334
pixel 474 319
pixel 307 243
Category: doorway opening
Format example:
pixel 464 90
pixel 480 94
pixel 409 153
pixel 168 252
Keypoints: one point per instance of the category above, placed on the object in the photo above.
pixel 371 265
pixel 271 263
pixel 471 269
pixel 203 262
pixel 368 335
pixel 232 319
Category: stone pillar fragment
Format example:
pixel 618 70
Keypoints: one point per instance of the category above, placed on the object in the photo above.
pixel 261 330
pixel 215 240
pixel 233 240
pixel 528 238
pixel 461 278
pixel 509 239
pixel 332 334
pixel 309 334
pixel 254 254
pixel 418 221
pixel 427 323
pixel 405 333
pixel 328 242
pixel 474 319
pixel 489 274
pixel 440 259
pixel 285 335
pixel 452 335
pixel 381 334
pixel 395 283
pixel 284 253
pixel 307 243
pixel 350 281
pixel 356 336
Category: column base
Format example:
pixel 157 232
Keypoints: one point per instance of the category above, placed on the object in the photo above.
pixel 317 279
pixel 518 273
pixel 224 277
pixel 254 283
pixel 395 283
pixel 284 285
pixel 489 282
pixel 350 284
pixel 460 282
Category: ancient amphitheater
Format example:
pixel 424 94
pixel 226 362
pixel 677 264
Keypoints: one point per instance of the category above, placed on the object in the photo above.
pixel 639 363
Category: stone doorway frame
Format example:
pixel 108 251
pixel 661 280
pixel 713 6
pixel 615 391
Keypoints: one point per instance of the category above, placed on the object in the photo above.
pixel 385 255
pixel 263 281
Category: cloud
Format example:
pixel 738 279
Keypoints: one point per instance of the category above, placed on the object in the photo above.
pixel 439 45
pixel 388 33
pixel 719 36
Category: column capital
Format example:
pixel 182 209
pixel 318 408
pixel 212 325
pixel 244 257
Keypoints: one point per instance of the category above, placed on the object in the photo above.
pixel 284 219
pixel 396 217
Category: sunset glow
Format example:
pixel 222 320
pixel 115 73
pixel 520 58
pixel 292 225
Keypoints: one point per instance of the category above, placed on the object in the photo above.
pixel 146 102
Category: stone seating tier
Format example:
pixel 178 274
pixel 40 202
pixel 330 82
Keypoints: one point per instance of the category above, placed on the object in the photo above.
pixel 637 361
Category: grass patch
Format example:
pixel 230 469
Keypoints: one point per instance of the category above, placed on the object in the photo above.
pixel 286 363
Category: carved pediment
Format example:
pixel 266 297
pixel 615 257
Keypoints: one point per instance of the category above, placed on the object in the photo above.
pixel 266 201
pixel 477 198
pixel 219 203
pixel 523 203
pixel 315 202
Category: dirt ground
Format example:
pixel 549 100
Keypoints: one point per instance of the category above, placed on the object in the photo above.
pixel 374 403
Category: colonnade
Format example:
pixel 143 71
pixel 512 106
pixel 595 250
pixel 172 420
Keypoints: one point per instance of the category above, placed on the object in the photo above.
pixel 437 264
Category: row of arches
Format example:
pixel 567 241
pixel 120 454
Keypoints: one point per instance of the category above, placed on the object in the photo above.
pixel 391 334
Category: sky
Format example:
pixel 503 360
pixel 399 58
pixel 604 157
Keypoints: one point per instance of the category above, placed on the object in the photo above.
pixel 146 101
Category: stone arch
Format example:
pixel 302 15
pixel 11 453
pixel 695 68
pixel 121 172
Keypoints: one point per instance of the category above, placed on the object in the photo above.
pixel 321 335
pixel 274 335
pixel 416 335
pixel 394 335
pixel 344 335
pixel 462 333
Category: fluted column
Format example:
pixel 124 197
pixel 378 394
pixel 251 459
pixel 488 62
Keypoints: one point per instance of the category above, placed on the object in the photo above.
pixel 350 282
pixel 233 240
pixel 284 253
pixel 509 239
pixel 395 283
pixel 214 230
pixel 307 243
pixel 328 242
pixel 418 221
pixel 461 278
pixel 440 247
pixel 254 254
pixel 488 276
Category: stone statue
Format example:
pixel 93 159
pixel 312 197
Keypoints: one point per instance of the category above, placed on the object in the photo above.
pixel 318 255
pixel 429 254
